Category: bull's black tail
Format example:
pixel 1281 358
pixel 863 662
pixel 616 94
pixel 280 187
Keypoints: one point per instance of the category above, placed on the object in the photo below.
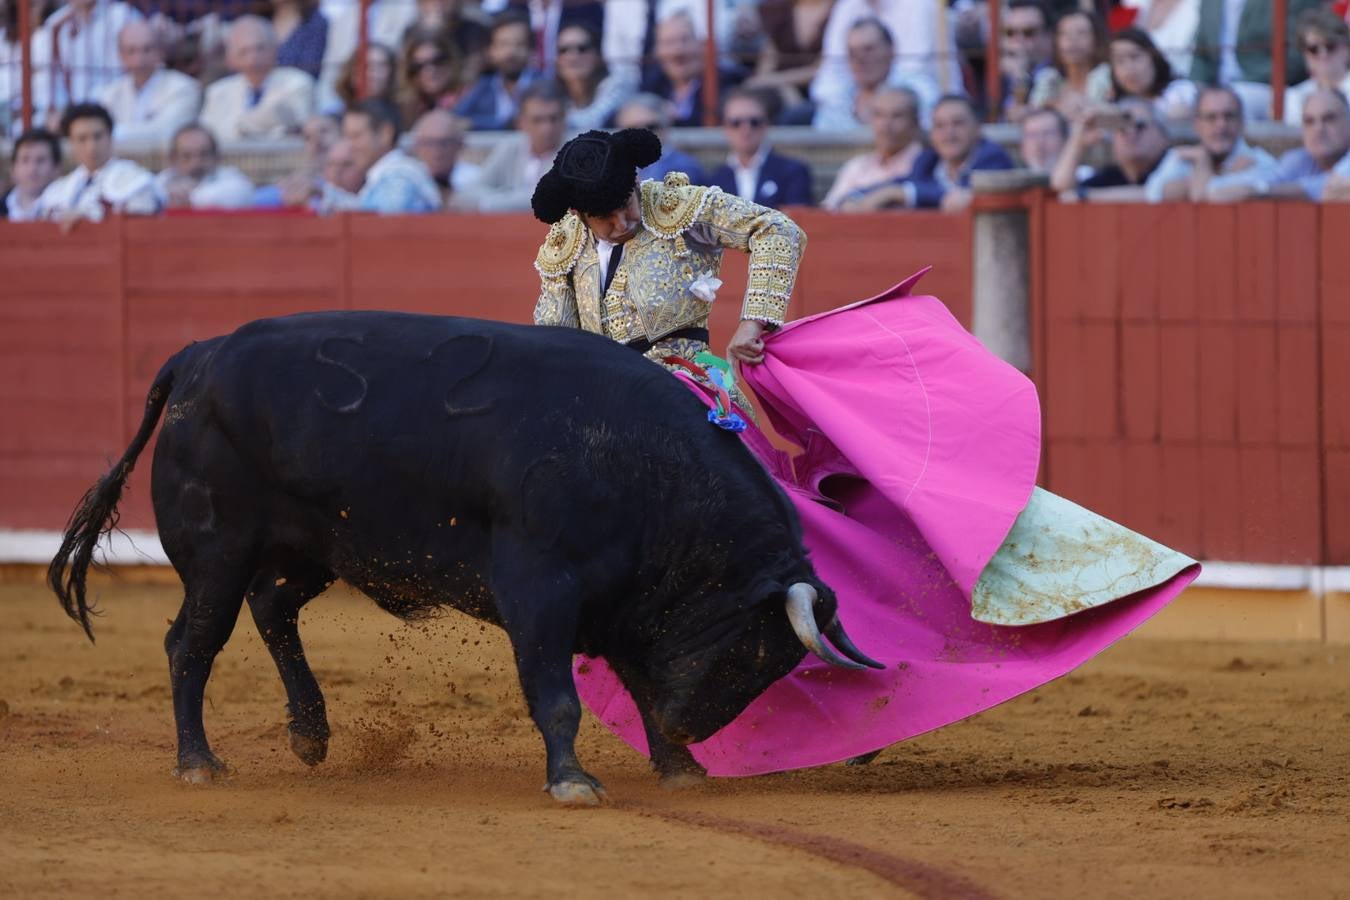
pixel 97 513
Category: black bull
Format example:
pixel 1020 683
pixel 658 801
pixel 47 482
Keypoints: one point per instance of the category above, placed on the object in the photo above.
pixel 542 479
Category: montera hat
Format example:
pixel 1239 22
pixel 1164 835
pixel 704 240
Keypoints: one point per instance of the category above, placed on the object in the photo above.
pixel 594 173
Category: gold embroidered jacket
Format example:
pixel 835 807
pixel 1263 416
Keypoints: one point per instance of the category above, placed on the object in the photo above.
pixel 684 230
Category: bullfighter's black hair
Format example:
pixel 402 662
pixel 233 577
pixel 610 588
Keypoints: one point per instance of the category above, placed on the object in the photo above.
pixel 594 173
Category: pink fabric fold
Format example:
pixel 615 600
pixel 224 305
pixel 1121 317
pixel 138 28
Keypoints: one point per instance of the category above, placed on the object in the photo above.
pixel 919 450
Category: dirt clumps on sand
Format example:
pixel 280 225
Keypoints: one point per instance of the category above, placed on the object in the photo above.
pixel 1159 770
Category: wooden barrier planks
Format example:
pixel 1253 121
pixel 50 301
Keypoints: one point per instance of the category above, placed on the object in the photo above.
pixel 1181 376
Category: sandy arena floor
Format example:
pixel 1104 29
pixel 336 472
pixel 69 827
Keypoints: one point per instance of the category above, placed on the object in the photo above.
pixel 1158 770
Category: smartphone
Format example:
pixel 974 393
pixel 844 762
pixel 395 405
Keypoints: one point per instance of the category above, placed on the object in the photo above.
pixel 1112 119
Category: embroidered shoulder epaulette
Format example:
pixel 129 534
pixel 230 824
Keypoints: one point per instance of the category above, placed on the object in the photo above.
pixel 562 247
pixel 672 205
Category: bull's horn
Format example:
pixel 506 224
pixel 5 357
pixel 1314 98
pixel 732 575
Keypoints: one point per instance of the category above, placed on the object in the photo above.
pixel 801 600
pixel 835 632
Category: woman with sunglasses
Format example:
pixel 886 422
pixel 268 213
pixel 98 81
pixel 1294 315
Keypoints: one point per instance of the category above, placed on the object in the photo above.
pixel 1140 71
pixel 1078 76
pixel 594 95
pixel 1324 39
pixel 432 75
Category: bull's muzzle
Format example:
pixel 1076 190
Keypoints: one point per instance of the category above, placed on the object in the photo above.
pixel 801 602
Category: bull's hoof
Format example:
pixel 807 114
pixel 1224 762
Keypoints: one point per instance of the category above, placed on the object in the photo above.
pixel 862 759
pixel 679 781
pixel 309 750
pixel 575 792
pixel 201 770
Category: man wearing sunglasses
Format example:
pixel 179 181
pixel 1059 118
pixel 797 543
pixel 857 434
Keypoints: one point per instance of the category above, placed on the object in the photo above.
pixel 1138 143
pixel 1025 50
pixel 753 170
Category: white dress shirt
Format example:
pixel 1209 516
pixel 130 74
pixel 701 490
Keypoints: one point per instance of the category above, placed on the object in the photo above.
pixel 287 99
pixel 120 185
pixel 224 188
pixel 73 59
pixel 167 101
pixel 747 177
pixel 15 211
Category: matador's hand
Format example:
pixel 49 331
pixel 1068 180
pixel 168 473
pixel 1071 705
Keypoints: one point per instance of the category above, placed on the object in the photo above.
pixel 747 344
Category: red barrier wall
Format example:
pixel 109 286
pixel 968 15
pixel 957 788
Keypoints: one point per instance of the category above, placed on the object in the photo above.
pixel 1185 354
pixel 87 319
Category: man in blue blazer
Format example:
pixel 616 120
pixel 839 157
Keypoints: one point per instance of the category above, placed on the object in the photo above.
pixel 941 175
pixel 753 170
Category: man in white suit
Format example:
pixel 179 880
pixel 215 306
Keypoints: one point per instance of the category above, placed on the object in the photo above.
pixel 149 102
pixel 515 165
pixel 262 99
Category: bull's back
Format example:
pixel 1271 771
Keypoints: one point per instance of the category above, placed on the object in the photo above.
pixel 418 407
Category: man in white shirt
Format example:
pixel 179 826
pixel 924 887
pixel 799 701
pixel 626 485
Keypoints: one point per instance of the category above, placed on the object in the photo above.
pixel 515 165
pixel 394 182
pixel 149 102
pixel 262 99
pixel 195 179
pixel 100 183
pixel 34 164
pixel 74 54
pixel 922 63
pixel 873 64
pixel 1192 173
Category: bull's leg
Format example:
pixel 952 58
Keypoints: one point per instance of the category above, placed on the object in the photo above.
pixel 672 762
pixel 539 606
pixel 204 624
pixel 275 599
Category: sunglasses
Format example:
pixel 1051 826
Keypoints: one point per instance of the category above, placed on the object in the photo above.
pixel 751 122
pixel 566 49
pixel 1315 49
pixel 1027 33
pixel 1225 116
pixel 418 65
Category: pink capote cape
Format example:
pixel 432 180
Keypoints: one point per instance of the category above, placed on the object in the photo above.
pixel 920 448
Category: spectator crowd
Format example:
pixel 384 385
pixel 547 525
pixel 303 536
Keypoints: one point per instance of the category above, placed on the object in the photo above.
pixel 1099 110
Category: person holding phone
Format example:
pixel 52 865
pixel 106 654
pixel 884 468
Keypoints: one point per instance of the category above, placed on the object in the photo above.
pixel 1138 143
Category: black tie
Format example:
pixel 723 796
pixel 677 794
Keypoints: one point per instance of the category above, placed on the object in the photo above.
pixel 614 256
